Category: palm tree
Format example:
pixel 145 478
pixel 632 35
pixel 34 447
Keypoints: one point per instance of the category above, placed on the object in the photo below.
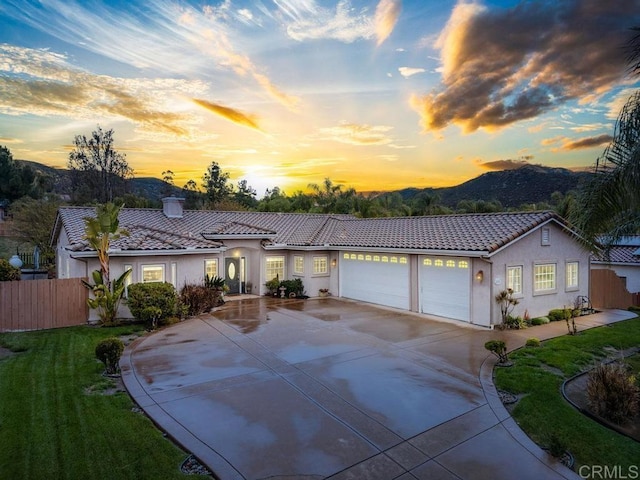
pixel 608 205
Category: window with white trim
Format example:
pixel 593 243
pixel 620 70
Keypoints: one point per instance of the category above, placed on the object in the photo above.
pixel 544 277
pixel 320 265
pixel 129 280
pixel 152 273
pixel 211 267
pixel 572 269
pixel 298 265
pixel 274 267
pixel 514 279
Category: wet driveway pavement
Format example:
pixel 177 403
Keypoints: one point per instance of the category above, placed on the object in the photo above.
pixel 324 388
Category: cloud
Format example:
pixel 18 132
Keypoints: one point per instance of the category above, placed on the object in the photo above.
pixel 309 21
pixel 39 82
pixel 175 39
pixel 387 13
pixel 407 72
pixel 569 144
pixel 500 66
pixel 231 114
pixel 354 134
pixel 507 164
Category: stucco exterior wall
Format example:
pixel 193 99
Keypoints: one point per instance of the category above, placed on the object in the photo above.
pixel 528 251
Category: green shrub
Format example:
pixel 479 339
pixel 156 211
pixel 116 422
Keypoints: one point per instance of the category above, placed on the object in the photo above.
pixel 272 286
pixel 532 342
pixel 199 299
pixel 498 348
pixel 293 286
pixel 109 351
pixel 151 316
pixel 156 294
pixel 514 322
pixel 539 320
pixel 8 272
pixel 613 393
pixel 634 309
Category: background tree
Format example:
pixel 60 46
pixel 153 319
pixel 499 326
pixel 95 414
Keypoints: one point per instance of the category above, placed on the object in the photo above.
pixel 33 221
pixel 245 195
pixel 215 184
pixel 167 186
pixel 608 205
pixel 98 172
pixel 17 181
pixel 192 197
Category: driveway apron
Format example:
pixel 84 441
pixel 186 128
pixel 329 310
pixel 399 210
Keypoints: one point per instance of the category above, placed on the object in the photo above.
pixel 326 388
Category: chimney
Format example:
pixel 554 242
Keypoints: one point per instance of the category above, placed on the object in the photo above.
pixel 172 207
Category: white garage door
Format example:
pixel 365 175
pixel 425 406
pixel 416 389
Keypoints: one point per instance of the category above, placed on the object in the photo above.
pixel 445 287
pixel 377 278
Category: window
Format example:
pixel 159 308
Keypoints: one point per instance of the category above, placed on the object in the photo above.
pixel 514 279
pixel 320 265
pixel 572 275
pixel 463 264
pixel 174 274
pixel 211 267
pixel 274 268
pixel 427 262
pixel 152 273
pixel 298 265
pixel 451 263
pixel 439 263
pixel 129 280
pixel 345 256
pixel 403 260
pixel 544 277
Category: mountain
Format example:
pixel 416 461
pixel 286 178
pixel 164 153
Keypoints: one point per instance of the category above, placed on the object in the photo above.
pixel 512 188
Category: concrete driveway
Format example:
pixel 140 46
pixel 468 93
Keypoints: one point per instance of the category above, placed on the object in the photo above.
pixel 325 388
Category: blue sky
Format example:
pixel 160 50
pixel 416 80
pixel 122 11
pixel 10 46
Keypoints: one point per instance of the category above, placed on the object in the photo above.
pixel 375 95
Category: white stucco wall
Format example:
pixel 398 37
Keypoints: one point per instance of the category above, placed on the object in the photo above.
pixel 527 251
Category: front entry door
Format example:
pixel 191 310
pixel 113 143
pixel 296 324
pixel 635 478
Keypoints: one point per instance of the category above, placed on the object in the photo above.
pixel 232 274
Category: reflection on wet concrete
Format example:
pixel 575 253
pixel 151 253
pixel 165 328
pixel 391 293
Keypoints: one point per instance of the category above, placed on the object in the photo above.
pixel 308 388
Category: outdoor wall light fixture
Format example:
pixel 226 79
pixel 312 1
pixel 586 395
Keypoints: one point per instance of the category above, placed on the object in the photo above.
pixel 334 262
pixel 480 276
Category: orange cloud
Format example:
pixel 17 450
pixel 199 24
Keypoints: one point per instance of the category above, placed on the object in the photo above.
pixel 507 164
pixel 231 114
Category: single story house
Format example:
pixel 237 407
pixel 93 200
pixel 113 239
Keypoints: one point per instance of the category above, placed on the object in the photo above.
pixel 624 259
pixel 450 266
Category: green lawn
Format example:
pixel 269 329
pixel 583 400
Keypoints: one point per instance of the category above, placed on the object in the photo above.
pixel 543 413
pixel 51 428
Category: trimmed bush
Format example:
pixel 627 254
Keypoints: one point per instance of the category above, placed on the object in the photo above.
pixel 293 286
pixel 151 316
pixel 532 342
pixel 109 351
pixel 516 323
pixel 539 321
pixel 156 294
pixel 498 348
pixel 8 273
pixel 613 393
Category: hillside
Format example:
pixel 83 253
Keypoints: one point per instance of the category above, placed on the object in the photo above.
pixel 512 188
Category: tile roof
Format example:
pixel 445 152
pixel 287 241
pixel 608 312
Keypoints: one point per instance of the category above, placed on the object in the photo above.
pixel 151 230
pixel 621 254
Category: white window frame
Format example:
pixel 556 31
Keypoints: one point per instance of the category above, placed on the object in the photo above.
pixel 129 280
pixel 514 279
pixel 159 266
pixel 545 278
pixel 572 275
pixel 321 265
pixel 271 271
pixel 298 265
pixel 207 263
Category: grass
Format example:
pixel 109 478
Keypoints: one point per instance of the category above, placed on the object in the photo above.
pixel 54 423
pixel 543 413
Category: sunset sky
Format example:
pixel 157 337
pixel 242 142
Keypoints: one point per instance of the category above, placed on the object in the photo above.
pixel 374 95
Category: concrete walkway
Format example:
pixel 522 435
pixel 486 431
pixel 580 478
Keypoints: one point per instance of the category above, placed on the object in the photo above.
pixel 327 388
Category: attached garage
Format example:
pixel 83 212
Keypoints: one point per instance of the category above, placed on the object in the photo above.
pixel 445 287
pixel 377 278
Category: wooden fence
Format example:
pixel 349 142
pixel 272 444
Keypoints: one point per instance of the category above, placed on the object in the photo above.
pixel 608 290
pixel 42 304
